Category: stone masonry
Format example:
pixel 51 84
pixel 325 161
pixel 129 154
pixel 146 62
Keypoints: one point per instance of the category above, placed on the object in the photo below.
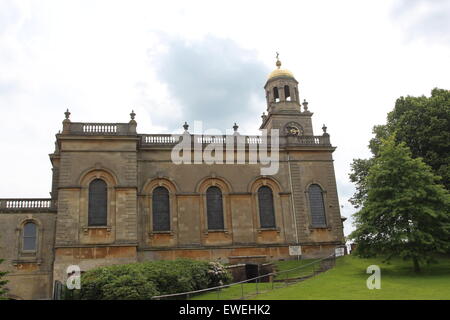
pixel 132 165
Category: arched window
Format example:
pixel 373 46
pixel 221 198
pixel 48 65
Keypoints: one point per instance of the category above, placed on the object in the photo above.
pixel 276 96
pixel 214 208
pixel 98 203
pixel 287 93
pixel 161 209
pixel 29 237
pixel 317 206
pixel 266 209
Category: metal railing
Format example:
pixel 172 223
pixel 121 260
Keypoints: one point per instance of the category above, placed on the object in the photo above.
pixel 257 285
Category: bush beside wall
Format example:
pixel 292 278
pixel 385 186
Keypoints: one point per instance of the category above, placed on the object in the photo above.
pixel 144 280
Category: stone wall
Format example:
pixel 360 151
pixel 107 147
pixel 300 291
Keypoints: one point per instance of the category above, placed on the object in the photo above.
pixel 30 275
pixel 132 171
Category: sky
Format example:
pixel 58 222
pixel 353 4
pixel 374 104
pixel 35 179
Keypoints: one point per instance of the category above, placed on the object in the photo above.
pixel 176 61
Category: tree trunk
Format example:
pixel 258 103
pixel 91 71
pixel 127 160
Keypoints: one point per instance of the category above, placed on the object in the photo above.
pixel 416 265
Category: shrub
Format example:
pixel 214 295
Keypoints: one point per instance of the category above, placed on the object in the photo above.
pixel 130 286
pixel 3 282
pixel 121 282
pixel 218 275
pixel 147 279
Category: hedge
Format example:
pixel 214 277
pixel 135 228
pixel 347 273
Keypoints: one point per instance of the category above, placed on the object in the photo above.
pixel 144 280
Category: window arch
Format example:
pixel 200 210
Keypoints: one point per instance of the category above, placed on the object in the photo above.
pixel 276 96
pixel 316 205
pixel 29 237
pixel 161 209
pixel 214 208
pixel 266 208
pixel 287 93
pixel 98 203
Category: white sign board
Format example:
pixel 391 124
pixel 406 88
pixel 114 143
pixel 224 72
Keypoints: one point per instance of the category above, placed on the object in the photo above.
pixel 339 252
pixel 295 250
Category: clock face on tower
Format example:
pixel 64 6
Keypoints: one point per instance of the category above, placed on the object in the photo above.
pixel 293 129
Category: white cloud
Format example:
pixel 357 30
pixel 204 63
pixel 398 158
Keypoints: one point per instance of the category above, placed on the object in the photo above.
pixel 212 79
pixel 427 20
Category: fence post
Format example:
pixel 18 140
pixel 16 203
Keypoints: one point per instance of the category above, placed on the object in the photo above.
pixel 285 279
pixel 287 276
pixel 272 279
pixel 257 279
pixel 242 290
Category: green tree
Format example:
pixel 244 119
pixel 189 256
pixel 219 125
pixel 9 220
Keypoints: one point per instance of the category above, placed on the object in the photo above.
pixel 3 282
pixel 359 171
pixel 424 125
pixel 405 210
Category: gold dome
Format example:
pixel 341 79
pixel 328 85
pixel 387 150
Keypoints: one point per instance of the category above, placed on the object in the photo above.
pixel 280 72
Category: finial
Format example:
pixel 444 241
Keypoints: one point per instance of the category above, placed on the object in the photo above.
pixel 67 114
pixel 278 64
pixel 324 128
pixel 185 126
pixel 235 127
pixel 132 115
pixel 264 117
pixel 305 104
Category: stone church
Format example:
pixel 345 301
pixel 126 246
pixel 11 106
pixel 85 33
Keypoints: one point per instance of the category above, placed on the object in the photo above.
pixel 117 197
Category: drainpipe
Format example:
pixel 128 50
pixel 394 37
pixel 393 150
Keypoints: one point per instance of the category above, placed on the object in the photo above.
pixel 292 199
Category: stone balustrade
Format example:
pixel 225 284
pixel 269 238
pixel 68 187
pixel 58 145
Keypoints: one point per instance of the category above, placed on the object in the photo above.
pixel 149 140
pixel 32 204
pixel 171 140
pixel 80 128
pixel 160 139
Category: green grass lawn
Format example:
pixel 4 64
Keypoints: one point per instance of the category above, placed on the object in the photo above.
pixel 348 281
pixel 284 266
pixel 235 292
pixel 249 289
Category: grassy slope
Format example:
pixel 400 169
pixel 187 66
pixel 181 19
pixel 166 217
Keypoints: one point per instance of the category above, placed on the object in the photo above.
pixel 348 281
pixel 236 291
pixel 282 266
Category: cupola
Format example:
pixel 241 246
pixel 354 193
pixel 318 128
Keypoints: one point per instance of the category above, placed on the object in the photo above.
pixel 281 86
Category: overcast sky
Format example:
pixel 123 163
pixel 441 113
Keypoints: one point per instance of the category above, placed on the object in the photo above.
pixel 176 61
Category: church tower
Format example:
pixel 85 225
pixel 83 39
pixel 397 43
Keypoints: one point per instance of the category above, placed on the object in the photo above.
pixel 284 111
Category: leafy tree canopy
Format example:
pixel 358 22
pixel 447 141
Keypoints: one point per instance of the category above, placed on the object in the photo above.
pixel 405 212
pixel 423 124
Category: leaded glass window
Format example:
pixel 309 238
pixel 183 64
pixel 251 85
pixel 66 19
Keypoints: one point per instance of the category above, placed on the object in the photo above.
pixel 161 209
pixel 98 203
pixel 214 208
pixel 317 207
pixel 29 237
pixel 266 208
